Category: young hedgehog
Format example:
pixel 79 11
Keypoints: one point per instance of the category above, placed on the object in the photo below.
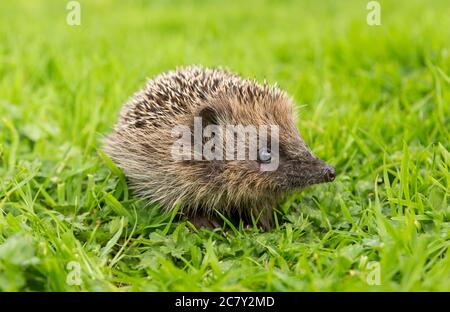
pixel 141 144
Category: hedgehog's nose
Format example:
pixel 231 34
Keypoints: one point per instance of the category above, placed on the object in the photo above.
pixel 329 173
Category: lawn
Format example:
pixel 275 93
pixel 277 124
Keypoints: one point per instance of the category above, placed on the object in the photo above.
pixel 372 100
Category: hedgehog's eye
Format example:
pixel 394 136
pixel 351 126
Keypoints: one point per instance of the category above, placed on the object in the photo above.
pixel 264 155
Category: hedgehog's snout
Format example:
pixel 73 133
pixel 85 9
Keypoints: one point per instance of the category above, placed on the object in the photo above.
pixel 305 173
pixel 322 173
pixel 329 173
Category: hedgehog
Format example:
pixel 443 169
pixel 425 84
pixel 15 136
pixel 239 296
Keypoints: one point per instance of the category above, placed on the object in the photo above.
pixel 205 190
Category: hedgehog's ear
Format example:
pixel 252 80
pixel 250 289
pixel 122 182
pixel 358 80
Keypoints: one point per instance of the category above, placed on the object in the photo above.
pixel 209 115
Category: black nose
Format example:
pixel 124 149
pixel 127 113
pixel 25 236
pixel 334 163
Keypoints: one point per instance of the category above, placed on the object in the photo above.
pixel 330 173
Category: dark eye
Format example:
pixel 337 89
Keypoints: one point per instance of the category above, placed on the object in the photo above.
pixel 264 155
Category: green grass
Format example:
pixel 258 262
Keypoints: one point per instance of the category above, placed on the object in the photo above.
pixel 374 101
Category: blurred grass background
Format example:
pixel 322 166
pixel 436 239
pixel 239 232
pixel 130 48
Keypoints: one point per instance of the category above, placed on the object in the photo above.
pixel 374 101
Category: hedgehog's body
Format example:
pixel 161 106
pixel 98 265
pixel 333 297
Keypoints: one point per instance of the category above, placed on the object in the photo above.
pixel 142 141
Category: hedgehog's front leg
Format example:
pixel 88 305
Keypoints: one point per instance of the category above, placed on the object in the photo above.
pixel 200 220
pixel 265 219
pixel 262 217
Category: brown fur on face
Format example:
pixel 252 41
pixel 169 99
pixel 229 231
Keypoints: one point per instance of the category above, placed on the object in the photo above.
pixel 142 139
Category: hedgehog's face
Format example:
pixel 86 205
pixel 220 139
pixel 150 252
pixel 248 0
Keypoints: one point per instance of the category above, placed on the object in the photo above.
pixel 285 163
